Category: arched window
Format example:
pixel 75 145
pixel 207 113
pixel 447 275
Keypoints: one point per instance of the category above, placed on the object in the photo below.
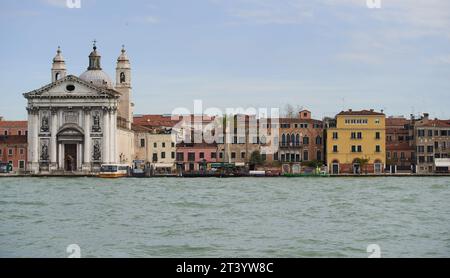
pixel 57 75
pixel 283 140
pixel 122 77
pixel 318 140
pixel 297 140
pixel 293 139
pixel 288 139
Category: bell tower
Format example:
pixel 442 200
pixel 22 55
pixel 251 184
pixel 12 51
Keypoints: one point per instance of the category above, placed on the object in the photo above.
pixel 59 69
pixel 123 86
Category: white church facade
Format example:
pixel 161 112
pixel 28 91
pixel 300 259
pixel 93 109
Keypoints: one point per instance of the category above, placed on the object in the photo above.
pixel 76 124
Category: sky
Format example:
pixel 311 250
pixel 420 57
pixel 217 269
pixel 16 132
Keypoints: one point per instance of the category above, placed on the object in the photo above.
pixel 323 55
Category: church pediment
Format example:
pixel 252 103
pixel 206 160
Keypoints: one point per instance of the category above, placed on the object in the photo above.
pixel 72 87
pixel 70 131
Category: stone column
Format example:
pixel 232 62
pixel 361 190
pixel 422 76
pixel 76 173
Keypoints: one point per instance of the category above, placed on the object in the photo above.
pixel 116 148
pixel 111 135
pixel 34 149
pixel 87 141
pixel 30 139
pixel 115 136
pixel 79 152
pixel 61 157
pixel 53 143
pixel 106 135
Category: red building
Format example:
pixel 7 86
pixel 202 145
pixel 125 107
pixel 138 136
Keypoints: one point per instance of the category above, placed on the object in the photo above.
pixel 301 141
pixel 13 150
pixel 400 150
pixel 13 128
pixel 13 144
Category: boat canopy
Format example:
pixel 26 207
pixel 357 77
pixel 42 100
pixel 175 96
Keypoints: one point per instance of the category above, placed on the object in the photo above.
pixel 442 162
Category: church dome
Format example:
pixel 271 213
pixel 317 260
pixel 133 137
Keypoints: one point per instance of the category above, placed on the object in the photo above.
pixel 97 77
pixel 94 74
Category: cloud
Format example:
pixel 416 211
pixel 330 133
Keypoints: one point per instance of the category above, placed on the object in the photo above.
pixel 268 11
pixel 360 58
pixel 149 19
pixel 56 3
pixel 417 17
pixel 440 60
pixel 424 17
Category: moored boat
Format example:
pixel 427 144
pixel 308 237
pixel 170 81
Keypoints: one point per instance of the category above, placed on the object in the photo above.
pixel 114 171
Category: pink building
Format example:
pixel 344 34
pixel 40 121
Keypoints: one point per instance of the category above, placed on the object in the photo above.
pixel 193 158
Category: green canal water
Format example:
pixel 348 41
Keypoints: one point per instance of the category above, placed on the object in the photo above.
pixel 246 217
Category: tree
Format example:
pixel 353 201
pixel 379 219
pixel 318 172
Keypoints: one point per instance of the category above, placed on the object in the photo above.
pixel 289 111
pixel 363 163
pixel 256 159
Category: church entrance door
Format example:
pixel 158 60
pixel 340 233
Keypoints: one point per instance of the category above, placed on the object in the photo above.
pixel 70 157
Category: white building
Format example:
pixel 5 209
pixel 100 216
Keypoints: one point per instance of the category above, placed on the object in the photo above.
pixel 76 124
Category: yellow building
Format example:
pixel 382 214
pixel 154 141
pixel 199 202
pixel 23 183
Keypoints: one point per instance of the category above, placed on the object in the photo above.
pixel 356 143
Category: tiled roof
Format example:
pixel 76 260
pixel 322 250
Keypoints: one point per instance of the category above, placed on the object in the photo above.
pixel 13 139
pixel 13 124
pixel 139 128
pixel 434 123
pixel 154 121
pixel 400 122
pixel 360 113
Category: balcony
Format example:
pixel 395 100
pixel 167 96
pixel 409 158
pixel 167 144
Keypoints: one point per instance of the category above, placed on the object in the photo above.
pixel 290 145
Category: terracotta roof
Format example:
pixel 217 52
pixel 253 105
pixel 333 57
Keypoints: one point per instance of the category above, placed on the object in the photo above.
pixel 13 124
pixel 154 121
pixel 433 123
pixel 13 139
pixel 397 122
pixel 360 113
pixel 139 128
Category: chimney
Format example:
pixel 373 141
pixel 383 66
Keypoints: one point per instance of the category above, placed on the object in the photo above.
pixel 1 118
pixel 350 110
pixel 372 110
pixel 305 115
pixel 426 116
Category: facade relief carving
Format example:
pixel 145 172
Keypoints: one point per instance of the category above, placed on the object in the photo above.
pixel 45 122
pixel 44 151
pixel 96 124
pixel 71 117
pixel 97 151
